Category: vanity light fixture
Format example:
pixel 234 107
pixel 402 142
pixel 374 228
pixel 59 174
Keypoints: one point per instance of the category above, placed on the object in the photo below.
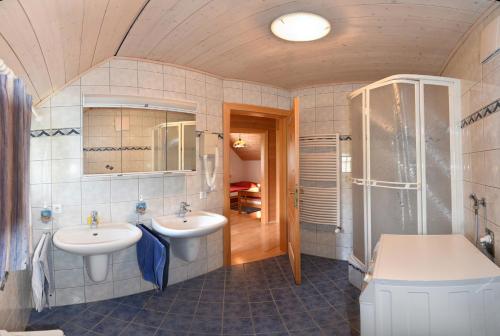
pixel 300 27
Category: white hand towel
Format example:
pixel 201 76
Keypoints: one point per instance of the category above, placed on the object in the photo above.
pixel 37 277
pixel 46 262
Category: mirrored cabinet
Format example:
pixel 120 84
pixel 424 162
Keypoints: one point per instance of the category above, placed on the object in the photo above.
pixel 122 139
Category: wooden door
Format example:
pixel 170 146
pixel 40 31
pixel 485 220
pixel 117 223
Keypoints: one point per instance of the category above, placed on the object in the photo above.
pixel 292 204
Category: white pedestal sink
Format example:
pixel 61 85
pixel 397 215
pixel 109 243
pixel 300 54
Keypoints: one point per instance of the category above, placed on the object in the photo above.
pixel 95 245
pixel 185 232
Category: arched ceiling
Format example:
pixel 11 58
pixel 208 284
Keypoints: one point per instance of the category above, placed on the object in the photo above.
pixel 50 42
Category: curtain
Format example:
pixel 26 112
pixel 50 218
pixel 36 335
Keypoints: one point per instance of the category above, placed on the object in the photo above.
pixel 15 120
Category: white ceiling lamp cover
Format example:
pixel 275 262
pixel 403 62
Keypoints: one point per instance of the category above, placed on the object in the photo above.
pixel 300 27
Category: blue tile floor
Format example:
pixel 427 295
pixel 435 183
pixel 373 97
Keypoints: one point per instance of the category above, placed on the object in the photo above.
pixel 257 298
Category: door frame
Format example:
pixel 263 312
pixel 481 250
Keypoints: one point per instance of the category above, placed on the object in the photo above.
pixel 280 115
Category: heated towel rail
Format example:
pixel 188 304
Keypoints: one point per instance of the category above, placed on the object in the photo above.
pixel 319 180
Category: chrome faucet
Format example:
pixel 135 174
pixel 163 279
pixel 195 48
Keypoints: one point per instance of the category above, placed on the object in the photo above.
pixel 184 209
pixel 95 219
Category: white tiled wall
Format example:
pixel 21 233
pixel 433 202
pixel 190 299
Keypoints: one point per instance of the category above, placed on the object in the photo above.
pixel 324 110
pixel 481 140
pixel 248 93
pixel 56 176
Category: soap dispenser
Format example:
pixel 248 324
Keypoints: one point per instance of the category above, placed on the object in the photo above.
pixel 46 214
pixel 141 206
pixel 140 209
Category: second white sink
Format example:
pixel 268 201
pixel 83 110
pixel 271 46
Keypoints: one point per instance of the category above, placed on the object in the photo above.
pixel 185 232
pixel 194 224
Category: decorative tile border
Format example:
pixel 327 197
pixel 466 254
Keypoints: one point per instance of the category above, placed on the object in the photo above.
pixel 55 132
pixel 482 113
pixel 112 149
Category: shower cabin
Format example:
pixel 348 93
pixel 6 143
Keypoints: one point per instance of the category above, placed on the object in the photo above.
pixel 406 160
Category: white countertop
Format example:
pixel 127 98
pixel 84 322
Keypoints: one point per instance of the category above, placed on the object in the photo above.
pixel 431 258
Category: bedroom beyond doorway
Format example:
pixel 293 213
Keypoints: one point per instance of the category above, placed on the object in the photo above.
pixel 253 189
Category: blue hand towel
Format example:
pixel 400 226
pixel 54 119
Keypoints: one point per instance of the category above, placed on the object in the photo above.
pixel 153 254
pixel 164 281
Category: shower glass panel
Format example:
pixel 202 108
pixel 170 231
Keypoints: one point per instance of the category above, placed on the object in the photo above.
pixel 393 211
pixel 392 133
pixel 393 160
pixel 437 159
pixel 358 203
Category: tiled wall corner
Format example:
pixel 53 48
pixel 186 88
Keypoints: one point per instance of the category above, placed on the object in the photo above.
pixel 481 139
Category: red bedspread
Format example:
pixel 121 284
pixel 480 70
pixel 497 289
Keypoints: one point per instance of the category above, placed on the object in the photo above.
pixel 242 185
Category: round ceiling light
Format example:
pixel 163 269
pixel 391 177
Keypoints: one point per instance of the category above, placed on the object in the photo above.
pixel 300 27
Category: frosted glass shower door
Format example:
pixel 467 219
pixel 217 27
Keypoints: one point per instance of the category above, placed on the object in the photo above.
pixel 358 175
pixel 438 194
pixel 392 171
pixel 406 159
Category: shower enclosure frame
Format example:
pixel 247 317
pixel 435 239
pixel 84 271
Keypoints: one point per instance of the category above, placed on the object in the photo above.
pixel 454 106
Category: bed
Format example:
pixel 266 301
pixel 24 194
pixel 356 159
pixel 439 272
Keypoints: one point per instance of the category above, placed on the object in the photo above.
pixel 245 196
pixel 242 185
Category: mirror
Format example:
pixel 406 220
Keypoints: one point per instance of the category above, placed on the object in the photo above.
pixel 131 140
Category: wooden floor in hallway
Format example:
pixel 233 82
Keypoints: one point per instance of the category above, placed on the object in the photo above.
pixel 252 240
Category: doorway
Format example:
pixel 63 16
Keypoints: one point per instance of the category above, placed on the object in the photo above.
pixel 265 221
pixel 254 225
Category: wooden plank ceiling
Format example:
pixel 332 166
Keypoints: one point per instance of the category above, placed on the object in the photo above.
pixel 252 150
pixel 50 42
